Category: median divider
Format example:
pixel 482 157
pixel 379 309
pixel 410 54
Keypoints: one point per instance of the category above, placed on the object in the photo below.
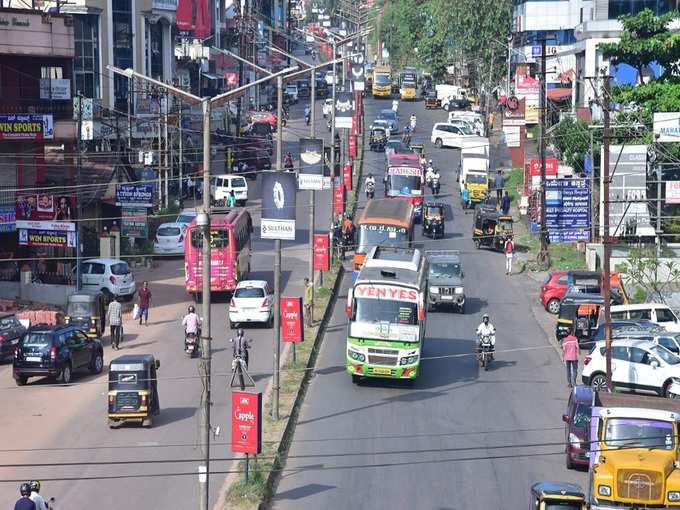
pixel 265 469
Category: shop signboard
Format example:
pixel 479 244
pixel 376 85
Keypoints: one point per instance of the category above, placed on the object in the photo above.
pixel 137 195
pixel 26 127
pixel 47 233
pixel 8 218
pixel 134 222
pixel 246 422
pixel 567 210
pixel 55 90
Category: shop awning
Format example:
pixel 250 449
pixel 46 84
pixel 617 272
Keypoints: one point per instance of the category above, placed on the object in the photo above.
pixel 559 94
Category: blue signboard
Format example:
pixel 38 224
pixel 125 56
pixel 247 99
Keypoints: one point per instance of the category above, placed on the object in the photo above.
pixel 567 210
pixel 131 195
pixel 535 51
pixel 8 218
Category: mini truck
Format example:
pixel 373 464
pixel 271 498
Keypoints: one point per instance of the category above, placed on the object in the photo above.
pixel 445 280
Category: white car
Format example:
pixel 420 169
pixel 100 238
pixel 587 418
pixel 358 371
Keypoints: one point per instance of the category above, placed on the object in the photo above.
pixel 186 217
pixel 638 365
pixel 221 185
pixel 252 301
pixel 111 276
pixel 330 77
pixel 383 124
pixel 327 108
pixel 655 312
pixel 450 135
pixel 170 239
pixel 465 123
pixel 291 90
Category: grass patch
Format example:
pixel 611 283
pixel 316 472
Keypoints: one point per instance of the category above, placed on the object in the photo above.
pixel 562 256
pixel 514 180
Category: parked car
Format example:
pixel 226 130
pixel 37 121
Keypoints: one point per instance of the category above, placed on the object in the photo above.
pixel 327 108
pixel 449 135
pixel 291 91
pixel 577 426
pixel 655 312
pixel 111 276
pixel 451 103
pixel 56 351
pixel 170 239
pixel 252 302
pixel 638 365
pixel 557 284
pixel 221 185
pixel 10 333
pixel 186 216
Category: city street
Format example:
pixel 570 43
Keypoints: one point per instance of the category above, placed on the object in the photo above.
pixel 460 438
pixel 60 434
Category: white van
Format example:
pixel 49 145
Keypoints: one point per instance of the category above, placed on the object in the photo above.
pixel 221 185
pixel 655 312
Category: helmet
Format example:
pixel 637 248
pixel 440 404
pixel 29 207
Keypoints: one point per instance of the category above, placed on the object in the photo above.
pixel 35 485
pixel 240 332
pixel 191 309
pixel 370 174
pixel 485 317
pixel 25 489
pixel 429 161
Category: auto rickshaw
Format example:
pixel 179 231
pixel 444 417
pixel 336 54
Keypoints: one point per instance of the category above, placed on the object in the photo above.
pixel 578 313
pixel 87 310
pixel 378 139
pixel 431 100
pixel 491 229
pixel 433 219
pixel 133 389
pixel 557 495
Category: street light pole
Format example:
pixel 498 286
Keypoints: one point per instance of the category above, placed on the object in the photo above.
pixel 277 258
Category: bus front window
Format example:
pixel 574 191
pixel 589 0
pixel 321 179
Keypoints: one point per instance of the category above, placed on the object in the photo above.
pixel 398 184
pixel 219 239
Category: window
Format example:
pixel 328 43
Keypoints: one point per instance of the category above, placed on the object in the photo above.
pixel 98 269
pixel 562 280
pixel 122 49
pixel 620 353
pixel 665 315
pixel 120 269
pixel 639 356
pixel 155 53
pixel 620 7
pixel 86 63
pixel 641 314
pixel 619 315
pixel 52 73
pixel 669 344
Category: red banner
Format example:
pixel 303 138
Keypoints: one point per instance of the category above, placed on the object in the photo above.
pixel 550 167
pixel 322 259
pixel 291 319
pixel 347 175
pixel 353 147
pixel 45 207
pixel 339 199
pixel 246 422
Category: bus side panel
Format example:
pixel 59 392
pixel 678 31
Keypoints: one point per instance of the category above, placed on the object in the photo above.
pixel 191 283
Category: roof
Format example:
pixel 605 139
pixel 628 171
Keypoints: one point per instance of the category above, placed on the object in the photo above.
pixel 251 283
pixel 401 276
pixel 104 260
pixel 621 400
pixel 642 306
pixel 129 359
pixel 390 258
pixel 379 210
pixel 583 298
pixel 583 394
pixel 558 489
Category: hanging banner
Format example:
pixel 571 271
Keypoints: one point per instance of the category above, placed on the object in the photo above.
pixel 344 107
pixel 291 320
pixel 26 127
pixel 311 164
pixel 246 422
pixel 347 175
pixel 339 200
pixel 353 147
pixel 673 192
pixel 45 207
pixel 278 206
pixel 358 77
pixel 322 259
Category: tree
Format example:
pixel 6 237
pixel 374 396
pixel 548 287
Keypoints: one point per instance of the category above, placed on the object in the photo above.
pixel 571 138
pixel 652 276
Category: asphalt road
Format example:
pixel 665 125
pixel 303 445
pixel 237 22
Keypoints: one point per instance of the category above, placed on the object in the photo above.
pixel 460 438
pixel 45 427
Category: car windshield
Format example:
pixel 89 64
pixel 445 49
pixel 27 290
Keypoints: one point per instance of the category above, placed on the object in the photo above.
pixel 79 309
pixel 7 323
pixel 409 85
pixel 168 231
pixel 249 292
pixel 582 416
pixel 40 340
pixel 129 380
pixel 382 79
pixel 665 355
pixel 562 505
pixel 388 114
pixel 477 179
pixel 403 184
pixel 465 129
pixel 434 212
pixel 381 235
pixel 120 269
pixel 185 218
pixel 386 310
pixel 444 269
pixel 639 433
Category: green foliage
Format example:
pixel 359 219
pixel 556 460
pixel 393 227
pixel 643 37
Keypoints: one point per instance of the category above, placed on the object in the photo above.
pixel 572 139
pixel 651 275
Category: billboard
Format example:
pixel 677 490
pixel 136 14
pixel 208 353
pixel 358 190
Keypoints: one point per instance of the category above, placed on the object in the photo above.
pixel 628 212
pixel 344 108
pixel 134 195
pixel 246 422
pixel 278 206
pixel 292 329
pixel 45 207
pixel 134 222
pixel 47 233
pixel 667 126
pixel 26 127
pixel 567 210
pixel 311 164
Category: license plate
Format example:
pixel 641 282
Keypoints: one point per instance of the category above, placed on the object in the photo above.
pixel 382 371
pixel 34 358
pixel 449 298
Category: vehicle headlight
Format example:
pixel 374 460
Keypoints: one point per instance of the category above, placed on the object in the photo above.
pixel 604 490
pixel 674 496
pixel 458 290
pixel 575 441
pixel 434 290
pixel 409 360
pixel 356 356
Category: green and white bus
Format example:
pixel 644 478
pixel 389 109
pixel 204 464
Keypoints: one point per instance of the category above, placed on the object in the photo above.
pixel 385 307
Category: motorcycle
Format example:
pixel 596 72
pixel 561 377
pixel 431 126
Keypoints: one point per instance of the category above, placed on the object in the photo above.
pixel 486 352
pixel 308 118
pixel 190 344
pixel 370 189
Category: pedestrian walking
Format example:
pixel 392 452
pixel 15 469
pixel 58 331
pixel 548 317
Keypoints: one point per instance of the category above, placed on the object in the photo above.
pixel 144 301
pixel 505 203
pixel 114 316
pixel 308 301
pixel 570 350
pixel 231 199
pixel 498 184
pixel 509 250
pixel 395 105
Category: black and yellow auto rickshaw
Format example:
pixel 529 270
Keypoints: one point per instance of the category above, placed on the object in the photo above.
pixel 418 147
pixel 133 389
pixel 491 229
pixel 557 496
pixel 433 219
pixel 378 139
pixel 431 100
pixel 579 313
pixel 87 310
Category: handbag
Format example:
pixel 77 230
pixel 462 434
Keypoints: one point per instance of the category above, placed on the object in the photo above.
pixel 135 312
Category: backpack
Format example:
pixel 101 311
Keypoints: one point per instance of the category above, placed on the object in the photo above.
pixel 509 246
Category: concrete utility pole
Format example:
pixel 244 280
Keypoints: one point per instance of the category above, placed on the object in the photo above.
pixel 277 258
pixel 606 247
pixel 79 206
pixel 334 96
pixel 543 255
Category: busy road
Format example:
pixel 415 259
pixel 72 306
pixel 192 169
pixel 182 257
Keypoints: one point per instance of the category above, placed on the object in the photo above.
pixel 60 436
pixel 460 437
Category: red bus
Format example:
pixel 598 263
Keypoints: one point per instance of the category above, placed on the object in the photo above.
pixel 405 177
pixel 230 252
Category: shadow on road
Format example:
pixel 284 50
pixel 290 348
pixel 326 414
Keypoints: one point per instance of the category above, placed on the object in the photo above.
pixel 172 414
pixel 304 491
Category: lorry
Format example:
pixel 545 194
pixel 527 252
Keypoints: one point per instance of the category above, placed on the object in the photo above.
pixel 633 453
pixel 382 81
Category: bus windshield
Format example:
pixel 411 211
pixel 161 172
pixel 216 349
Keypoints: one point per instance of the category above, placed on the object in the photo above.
pixel 403 184
pixel 381 235
pixel 219 238
pixel 386 310
pixel 476 179
pixel 382 79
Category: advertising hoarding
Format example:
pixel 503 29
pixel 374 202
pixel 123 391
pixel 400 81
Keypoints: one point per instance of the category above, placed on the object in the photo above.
pixel 567 210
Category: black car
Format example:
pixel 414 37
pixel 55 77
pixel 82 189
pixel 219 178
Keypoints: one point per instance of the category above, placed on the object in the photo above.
pixel 304 89
pixel 56 351
pixel 10 333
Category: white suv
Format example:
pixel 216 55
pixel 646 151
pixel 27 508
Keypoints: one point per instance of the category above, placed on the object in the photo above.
pixel 111 276
pixel 292 92
pixel 638 365
pixel 221 185
pixel 450 135
pixel 655 312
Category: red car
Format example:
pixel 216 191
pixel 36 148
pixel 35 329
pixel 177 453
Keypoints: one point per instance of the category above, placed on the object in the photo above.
pixel 577 426
pixel 553 290
pixel 268 117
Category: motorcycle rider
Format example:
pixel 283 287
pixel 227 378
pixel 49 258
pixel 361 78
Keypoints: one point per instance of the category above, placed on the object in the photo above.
pixel 37 499
pixel 25 502
pixel 288 162
pixel 369 186
pixel 191 322
pixel 308 114
pixel 240 346
pixel 435 181
pixel 429 173
pixel 485 329
pixel 412 122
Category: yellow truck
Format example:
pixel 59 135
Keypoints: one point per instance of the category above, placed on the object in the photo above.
pixel 634 452
pixel 382 81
